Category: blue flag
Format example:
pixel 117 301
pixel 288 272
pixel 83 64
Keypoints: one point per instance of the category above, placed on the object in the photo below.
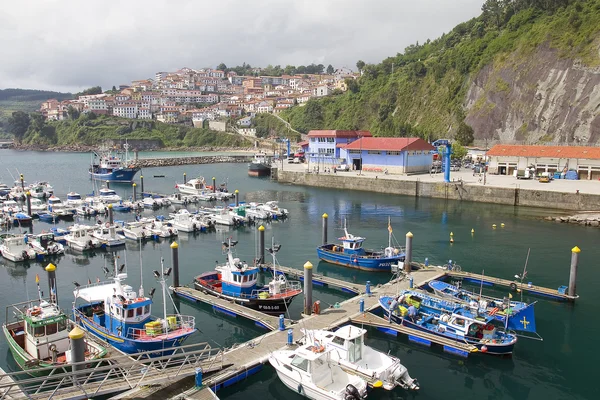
pixel 523 320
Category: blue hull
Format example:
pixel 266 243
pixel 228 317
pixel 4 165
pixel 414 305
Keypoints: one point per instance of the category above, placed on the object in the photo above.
pixel 382 264
pixel 131 346
pixel 119 175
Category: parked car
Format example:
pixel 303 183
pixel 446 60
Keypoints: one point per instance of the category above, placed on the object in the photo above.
pixel 544 179
pixel 342 167
pixel 290 159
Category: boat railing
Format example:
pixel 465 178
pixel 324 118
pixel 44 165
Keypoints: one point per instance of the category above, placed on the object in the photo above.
pixel 15 312
pixel 171 324
pixel 379 253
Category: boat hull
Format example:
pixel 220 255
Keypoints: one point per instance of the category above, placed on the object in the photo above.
pixel 259 169
pixel 269 306
pixel 381 264
pixel 119 175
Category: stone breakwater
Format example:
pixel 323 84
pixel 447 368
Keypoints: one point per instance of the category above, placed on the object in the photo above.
pixel 592 219
pixel 171 161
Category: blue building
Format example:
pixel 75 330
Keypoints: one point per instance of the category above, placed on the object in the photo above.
pixel 324 146
pixel 396 155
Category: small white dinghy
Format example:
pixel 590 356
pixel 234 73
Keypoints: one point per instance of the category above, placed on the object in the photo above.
pixel 310 371
pixel 349 350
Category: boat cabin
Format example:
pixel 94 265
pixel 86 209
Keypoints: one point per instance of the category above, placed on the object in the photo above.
pixel 348 341
pixel 196 184
pixel 260 158
pixel 463 323
pixel 107 192
pixel 54 202
pixel 311 360
pixel 73 196
pixel 237 278
pixel 352 244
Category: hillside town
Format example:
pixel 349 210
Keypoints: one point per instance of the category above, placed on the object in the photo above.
pixel 194 96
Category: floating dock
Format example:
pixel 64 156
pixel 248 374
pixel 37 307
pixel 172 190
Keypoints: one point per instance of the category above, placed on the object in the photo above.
pixel 559 294
pixel 317 279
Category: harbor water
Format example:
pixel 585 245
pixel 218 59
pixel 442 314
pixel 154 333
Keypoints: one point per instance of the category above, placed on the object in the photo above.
pixel 562 366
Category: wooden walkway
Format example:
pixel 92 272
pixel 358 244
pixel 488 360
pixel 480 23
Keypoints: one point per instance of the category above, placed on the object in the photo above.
pixel 269 322
pixel 318 279
pixel 533 289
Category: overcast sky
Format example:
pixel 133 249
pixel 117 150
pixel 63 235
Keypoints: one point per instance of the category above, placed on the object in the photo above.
pixel 73 44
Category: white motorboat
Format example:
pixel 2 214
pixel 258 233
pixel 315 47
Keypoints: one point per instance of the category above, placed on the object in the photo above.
pixel 195 186
pixel 107 234
pixel 45 245
pixel 162 229
pixel 310 371
pixel 224 216
pixel 150 203
pixel 37 206
pixel 272 207
pixel 80 238
pixel 56 206
pixel 108 196
pixel 253 211
pixel 350 352
pixel 185 222
pixel 162 201
pixel 74 200
pixel 136 230
pixel 14 248
pixel 11 206
pixel 183 199
pixel 85 211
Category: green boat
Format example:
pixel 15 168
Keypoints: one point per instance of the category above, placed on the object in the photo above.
pixel 37 333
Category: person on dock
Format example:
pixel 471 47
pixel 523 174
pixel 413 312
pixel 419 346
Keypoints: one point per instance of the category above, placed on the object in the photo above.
pixel 393 306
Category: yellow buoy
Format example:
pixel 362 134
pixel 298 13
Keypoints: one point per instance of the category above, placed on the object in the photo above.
pixel 502 225
pixel 377 384
pixel 494 226
pixel 451 234
pixel 451 240
pixel 472 231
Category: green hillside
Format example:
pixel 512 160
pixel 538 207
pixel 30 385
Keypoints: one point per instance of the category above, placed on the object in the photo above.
pixel 425 95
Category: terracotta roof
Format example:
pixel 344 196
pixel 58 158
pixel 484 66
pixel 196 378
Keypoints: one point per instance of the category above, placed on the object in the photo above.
pixel 387 143
pixel 302 144
pixel 545 151
pixel 338 134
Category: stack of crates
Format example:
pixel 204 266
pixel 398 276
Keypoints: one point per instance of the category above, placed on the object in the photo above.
pixel 153 328
pixel 172 321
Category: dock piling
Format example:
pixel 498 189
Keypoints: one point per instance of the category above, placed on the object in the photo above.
pixel 134 192
pixel 184 178
pixel 290 337
pixel 368 288
pixel 214 184
pixel 361 305
pixel 51 270
pixel 22 182
pixel 261 245
pixel 110 214
pixel 325 217
pixel 28 194
pixel 573 275
pixel 281 322
pixel 142 184
pixel 175 261
pixel 198 379
pixel 237 197
pixel 308 288
pixel 108 184
pixel 408 253
pixel 77 349
pixel 410 282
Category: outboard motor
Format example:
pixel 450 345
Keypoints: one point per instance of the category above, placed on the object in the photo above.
pixel 352 393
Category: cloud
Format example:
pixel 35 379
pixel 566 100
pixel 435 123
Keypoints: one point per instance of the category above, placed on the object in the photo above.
pixel 73 44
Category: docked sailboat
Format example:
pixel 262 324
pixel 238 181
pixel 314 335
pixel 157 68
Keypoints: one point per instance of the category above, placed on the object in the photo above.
pixel 237 281
pixel 37 333
pixel 354 356
pixel 311 372
pixel 115 313
pixel 352 254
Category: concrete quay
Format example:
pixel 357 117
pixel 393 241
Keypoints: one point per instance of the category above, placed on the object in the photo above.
pixel 580 195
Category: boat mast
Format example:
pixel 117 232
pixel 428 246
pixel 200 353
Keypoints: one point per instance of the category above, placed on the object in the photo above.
pixel 389 232
pixel 481 285
pixel 141 294
pixel 162 283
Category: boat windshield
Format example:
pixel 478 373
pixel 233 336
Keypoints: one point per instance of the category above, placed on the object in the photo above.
pixel 355 349
pixel 300 363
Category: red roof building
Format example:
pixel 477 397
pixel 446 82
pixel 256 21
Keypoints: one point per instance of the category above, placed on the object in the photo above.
pixel 389 144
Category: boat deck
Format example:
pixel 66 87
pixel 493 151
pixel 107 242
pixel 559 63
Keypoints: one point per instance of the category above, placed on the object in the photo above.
pixel 318 279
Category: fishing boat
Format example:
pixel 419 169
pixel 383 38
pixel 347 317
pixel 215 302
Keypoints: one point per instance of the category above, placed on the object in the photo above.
pixel 115 313
pixel 352 254
pixel 136 231
pixel 109 166
pixel 80 238
pixel 37 333
pixel 44 245
pixel 461 325
pixel 237 281
pixel 310 371
pixel 350 352
pixel 22 218
pixel 16 249
pixel 41 190
pixel 260 166
pixel 107 234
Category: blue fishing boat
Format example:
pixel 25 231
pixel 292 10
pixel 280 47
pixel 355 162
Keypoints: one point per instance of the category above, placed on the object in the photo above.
pixel 352 254
pixel 115 313
pixel 460 325
pixel 109 166
pixel 22 218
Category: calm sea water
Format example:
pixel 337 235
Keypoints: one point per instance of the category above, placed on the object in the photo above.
pixel 562 366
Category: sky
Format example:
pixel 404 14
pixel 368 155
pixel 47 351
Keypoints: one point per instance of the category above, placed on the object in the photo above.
pixel 68 45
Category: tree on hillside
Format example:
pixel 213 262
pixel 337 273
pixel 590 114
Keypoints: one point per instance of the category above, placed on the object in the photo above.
pixel 114 88
pixel 90 91
pixel 72 112
pixel 289 70
pixel 360 64
pixel 492 11
pixel 36 121
pixel 465 134
pixel 330 69
pixel 18 123
pixel 458 151
pixel 222 67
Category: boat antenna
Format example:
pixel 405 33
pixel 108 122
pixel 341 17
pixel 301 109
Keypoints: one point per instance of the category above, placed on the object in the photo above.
pixel 37 281
pixel 389 231
pixel 524 272
pixel 481 285
pixel 164 291
pixel 141 272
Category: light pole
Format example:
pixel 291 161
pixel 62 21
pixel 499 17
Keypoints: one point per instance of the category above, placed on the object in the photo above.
pixel 485 162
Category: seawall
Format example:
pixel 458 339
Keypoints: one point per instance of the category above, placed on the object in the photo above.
pixel 451 191
pixel 170 161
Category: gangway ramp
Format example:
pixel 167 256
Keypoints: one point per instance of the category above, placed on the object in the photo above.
pixel 317 279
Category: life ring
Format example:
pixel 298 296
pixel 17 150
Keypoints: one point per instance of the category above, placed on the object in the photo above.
pixel 140 299
pixel 107 224
pixel 35 311
pixel 513 286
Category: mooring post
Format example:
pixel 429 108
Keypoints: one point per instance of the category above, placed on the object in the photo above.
pixel 134 192
pixel 108 184
pixel 28 194
pixel 198 379
pixel 308 288
pixel 281 322
pixel 408 253
pixel 361 305
pixel 184 178
pixel 175 260
pixel 368 288
pixel 261 245
pixel 51 270
pixel 77 336
pixel 22 182
pixel 325 217
pixel 110 214
pixel 237 197
pixel 142 184
pixel 573 275
pixel 290 337
pixel 214 184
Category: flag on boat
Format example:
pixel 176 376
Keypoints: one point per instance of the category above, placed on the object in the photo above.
pixel 389 227
pixel 523 320
pixel 89 281
pixel 37 278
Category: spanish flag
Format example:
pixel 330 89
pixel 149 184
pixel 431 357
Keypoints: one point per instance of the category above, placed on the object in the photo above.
pixel 37 278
